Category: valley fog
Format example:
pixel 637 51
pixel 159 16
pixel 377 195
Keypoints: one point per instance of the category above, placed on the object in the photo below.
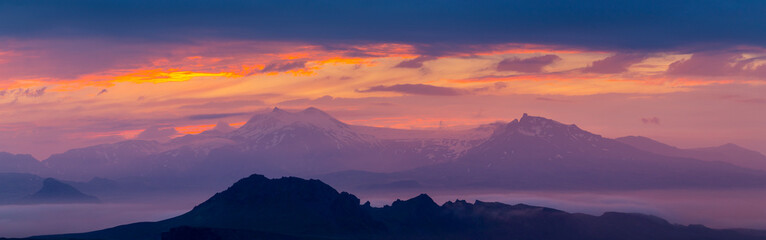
pixel 713 208
pixel 44 219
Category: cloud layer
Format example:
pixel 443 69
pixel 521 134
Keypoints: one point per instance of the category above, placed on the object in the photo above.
pixel 416 89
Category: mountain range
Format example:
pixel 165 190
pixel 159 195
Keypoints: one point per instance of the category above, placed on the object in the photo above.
pixel 539 153
pixel 527 153
pixel 23 188
pixel 293 208
pixel 730 153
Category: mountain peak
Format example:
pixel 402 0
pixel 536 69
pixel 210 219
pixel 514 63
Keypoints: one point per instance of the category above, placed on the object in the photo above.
pixel 313 110
pixel 55 191
pixel 543 127
pixel 258 188
pixel 532 137
pixel 527 119
pixel 253 203
pixel 309 115
pixel 731 146
pixel 265 125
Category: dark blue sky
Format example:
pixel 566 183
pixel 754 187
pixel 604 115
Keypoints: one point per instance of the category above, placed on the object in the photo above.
pixel 592 24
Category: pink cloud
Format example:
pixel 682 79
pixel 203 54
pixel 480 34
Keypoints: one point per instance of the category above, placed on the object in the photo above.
pixel 157 133
pixel 651 120
pixel 617 63
pixel 417 89
pixel 716 64
pixel 415 62
pixel 527 65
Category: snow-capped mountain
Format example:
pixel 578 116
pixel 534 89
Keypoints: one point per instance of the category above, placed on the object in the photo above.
pixel 539 138
pixel 275 143
pixel 531 152
pixel 539 153
pixel 435 146
pixel 264 131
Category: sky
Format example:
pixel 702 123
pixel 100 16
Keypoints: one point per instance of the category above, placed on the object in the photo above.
pixel 82 72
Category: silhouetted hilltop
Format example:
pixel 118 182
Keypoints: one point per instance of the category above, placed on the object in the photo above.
pixel 292 208
pixel 54 191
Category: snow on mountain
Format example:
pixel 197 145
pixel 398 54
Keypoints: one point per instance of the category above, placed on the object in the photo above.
pixel 536 151
pixel 539 153
pixel 538 137
pixel 423 147
pixel 269 130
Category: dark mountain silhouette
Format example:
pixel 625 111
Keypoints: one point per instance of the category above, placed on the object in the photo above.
pixel 19 163
pixel 292 208
pixel 729 153
pixel 54 191
pixel 539 153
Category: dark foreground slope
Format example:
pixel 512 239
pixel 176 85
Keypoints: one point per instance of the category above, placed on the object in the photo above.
pixel 292 208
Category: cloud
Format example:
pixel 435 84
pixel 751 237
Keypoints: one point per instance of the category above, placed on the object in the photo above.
pixel 598 24
pixel 617 63
pixel 527 65
pixel 711 64
pixel 414 63
pixel 224 103
pixel 220 127
pixel 23 92
pixel 157 133
pixel 307 102
pixel 29 92
pixel 548 99
pixel 496 87
pixel 214 116
pixel 651 120
pixel 416 89
pixel 744 99
pixel 284 66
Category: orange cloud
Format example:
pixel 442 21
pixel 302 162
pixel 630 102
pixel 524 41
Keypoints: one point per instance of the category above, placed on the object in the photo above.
pixel 195 129
pixel 170 75
pixel 139 76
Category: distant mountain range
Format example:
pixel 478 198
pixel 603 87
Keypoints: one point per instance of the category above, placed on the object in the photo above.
pixel 528 153
pixel 20 163
pixel 292 208
pixel 22 188
pixel 729 153
pixel 539 153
